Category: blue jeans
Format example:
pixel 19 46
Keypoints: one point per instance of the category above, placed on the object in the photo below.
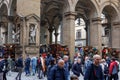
pixel 33 69
pixel 27 70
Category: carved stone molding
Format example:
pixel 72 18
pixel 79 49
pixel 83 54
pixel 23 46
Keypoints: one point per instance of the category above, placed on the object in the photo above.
pixel 116 23
pixel 96 19
pixel 70 13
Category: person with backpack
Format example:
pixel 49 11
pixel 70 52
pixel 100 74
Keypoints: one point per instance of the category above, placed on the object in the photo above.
pixel 105 68
pixel 77 68
pixel 39 65
pixel 87 63
pixel 94 71
pixel 34 65
pixel 19 66
pixel 5 68
pixel 10 65
pixel 51 65
pixel 27 65
pixel 113 70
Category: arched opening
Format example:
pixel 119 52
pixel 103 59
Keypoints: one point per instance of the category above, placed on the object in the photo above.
pixel 110 34
pixel 51 18
pixel 108 19
pixel 13 8
pixel 12 14
pixel 86 10
pixel 51 23
pixel 3 24
pixel 80 32
pixel 106 31
pixel 86 13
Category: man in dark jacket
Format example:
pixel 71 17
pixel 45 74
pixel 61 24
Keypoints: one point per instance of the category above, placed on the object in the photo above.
pixel 76 69
pixel 19 67
pixel 58 72
pixel 5 69
pixel 94 71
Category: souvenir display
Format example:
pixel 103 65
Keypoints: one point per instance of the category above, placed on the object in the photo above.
pixel 9 50
pixel 54 49
pixel 110 52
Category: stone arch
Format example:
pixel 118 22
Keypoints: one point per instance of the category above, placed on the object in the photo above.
pixel 5 3
pixel 109 9
pixel 3 10
pixel 95 7
pixel 3 22
pixel 50 5
pixel 89 6
pixel 12 8
pixel 52 13
pixel 87 10
pixel 113 7
pixel 66 6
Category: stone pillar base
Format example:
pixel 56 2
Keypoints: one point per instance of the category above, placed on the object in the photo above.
pixel 29 50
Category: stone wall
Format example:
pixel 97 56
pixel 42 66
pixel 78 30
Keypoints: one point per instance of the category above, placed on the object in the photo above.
pixel 26 7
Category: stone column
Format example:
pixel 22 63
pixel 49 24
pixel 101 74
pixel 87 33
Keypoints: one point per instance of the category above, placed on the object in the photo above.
pixel 24 36
pixel 96 33
pixel 116 35
pixel 56 35
pixel 50 35
pixel 68 32
pixel 87 22
pixel 10 26
pixel 0 35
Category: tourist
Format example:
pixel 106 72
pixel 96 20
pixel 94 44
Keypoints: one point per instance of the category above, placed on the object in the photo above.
pixel 58 72
pixel 94 71
pixel 19 65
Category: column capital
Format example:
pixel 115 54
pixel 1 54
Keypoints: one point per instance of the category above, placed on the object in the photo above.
pixel 96 19
pixel 56 34
pixel 50 29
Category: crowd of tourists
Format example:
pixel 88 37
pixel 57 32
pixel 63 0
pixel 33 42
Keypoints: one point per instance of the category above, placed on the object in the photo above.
pixel 61 68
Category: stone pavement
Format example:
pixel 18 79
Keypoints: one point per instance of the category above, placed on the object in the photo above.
pixel 13 75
